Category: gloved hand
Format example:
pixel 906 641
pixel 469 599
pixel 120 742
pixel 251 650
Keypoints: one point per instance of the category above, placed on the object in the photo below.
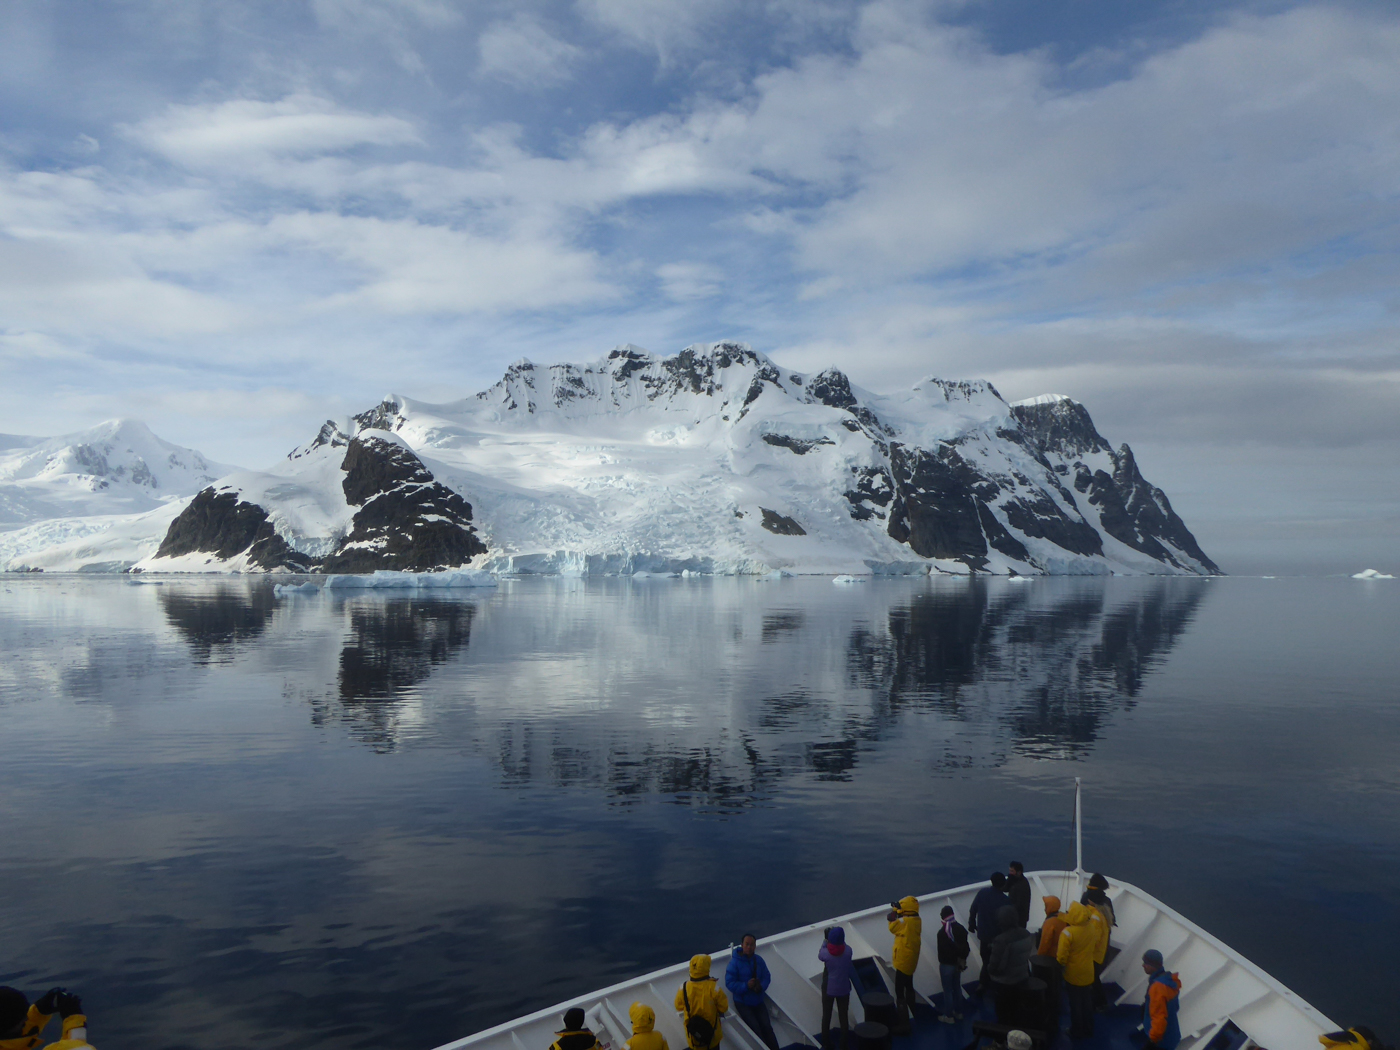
pixel 48 1002
pixel 68 1004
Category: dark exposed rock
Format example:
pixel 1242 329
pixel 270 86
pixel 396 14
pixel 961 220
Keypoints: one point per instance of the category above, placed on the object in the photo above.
pixel 871 486
pixel 1130 510
pixel 940 507
pixel 221 524
pixel 406 520
pixel 799 445
pixel 329 434
pixel 384 416
pixel 781 524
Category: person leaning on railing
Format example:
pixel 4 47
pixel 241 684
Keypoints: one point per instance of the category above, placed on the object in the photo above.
pixel 22 1026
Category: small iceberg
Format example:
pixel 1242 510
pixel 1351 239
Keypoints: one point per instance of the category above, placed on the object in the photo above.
pixel 388 579
pixel 848 579
pixel 291 590
pixel 1371 574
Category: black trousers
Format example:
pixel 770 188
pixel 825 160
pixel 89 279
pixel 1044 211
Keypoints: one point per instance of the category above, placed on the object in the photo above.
pixel 1081 1009
pixel 984 948
pixel 903 997
pixel 843 1011
pixel 1100 996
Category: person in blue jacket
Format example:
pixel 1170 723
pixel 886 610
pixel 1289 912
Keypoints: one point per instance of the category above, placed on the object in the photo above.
pixel 747 979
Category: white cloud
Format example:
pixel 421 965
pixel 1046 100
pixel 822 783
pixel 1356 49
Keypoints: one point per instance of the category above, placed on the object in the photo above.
pixel 524 53
pixel 662 26
pixel 240 130
pixel 690 280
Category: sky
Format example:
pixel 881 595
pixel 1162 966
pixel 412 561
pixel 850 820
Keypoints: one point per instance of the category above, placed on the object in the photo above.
pixel 237 219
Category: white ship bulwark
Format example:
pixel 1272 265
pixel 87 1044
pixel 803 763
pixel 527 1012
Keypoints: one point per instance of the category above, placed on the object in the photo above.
pixel 1226 1002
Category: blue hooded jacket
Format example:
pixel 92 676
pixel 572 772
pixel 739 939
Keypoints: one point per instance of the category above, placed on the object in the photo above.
pixel 741 969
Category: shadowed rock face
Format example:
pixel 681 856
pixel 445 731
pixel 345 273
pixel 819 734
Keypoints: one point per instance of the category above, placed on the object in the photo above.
pixel 225 526
pixel 1131 510
pixel 407 520
pixel 780 524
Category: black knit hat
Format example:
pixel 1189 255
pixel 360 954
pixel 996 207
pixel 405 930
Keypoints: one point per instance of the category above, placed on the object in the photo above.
pixel 998 880
pixel 573 1019
pixel 1098 882
pixel 13 1008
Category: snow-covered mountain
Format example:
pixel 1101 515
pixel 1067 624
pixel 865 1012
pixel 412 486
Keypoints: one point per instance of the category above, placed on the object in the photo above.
pixel 58 495
pixel 712 460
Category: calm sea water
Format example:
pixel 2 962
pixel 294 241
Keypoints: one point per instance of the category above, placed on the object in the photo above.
pixel 237 820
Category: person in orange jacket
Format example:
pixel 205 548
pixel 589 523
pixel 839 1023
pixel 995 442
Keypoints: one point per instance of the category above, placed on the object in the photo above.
pixel 1159 1005
pixel 22 1025
pixel 1054 924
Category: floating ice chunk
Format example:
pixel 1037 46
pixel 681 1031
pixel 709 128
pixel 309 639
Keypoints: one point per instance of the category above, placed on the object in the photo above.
pixel 1018 579
pixel 385 579
pixel 291 590
pixel 1371 574
pixel 844 578
pixel 643 574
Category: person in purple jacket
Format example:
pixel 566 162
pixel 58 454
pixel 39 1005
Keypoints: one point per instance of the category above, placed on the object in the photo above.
pixel 836 985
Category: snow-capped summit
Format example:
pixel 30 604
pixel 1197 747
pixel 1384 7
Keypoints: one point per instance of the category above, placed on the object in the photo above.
pixel 61 490
pixel 115 467
pixel 715 459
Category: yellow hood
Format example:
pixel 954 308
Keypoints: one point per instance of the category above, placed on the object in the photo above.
pixel 1052 905
pixel 1077 915
pixel 643 1018
pixel 909 906
pixel 699 967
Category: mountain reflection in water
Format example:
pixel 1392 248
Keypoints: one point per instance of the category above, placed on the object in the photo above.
pixel 803 691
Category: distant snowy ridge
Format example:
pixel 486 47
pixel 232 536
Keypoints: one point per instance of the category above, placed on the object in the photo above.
pixel 93 499
pixel 713 460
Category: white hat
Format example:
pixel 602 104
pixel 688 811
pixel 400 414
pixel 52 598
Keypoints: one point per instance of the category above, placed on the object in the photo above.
pixel 1018 1041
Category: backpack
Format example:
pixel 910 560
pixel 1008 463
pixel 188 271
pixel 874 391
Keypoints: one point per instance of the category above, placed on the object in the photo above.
pixel 699 1030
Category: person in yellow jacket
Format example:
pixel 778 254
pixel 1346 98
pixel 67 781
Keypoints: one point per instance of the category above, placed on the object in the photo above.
pixel 1054 923
pixel 700 1003
pixel 1078 940
pixel 1358 1038
pixel 22 1025
pixel 644 1033
pixel 908 930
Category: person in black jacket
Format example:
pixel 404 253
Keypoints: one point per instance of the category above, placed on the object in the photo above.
pixel 574 1036
pixel 1018 888
pixel 952 961
pixel 1010 966
pixel 982 920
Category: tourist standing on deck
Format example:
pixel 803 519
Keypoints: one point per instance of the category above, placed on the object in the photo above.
pixel 1076 954
pixel 908 930
pixel 1160 1005
pixel 747 978
pixel 700 1002
pixel 1010 967
pixel 952 961
pixel 1095 897
pixel 644 1033
pixel 839 967
pixel 574 1035
pixel 1018 889
pixel 982 920
pixel 22 1025
pixel 1054 923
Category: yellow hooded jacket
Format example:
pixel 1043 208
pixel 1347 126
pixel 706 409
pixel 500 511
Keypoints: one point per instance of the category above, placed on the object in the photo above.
pixel 908 932
pixel 706 998
pixel 644 1033
pixel 1100 924
pixel 74 1033
pixel 1077 943
pixel 1350 1039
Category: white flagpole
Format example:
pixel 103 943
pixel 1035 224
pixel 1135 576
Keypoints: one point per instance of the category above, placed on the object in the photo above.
pixel 1078 832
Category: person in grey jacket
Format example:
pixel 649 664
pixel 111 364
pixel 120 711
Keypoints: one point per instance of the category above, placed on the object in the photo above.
pixel 1011 952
